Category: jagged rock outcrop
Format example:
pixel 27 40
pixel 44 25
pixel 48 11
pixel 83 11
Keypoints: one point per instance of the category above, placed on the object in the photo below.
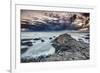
pixel 67 48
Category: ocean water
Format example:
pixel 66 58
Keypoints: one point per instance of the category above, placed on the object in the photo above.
pixel 44 48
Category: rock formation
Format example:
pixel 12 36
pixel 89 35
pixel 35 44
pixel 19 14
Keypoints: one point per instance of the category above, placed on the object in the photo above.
pixel 67 48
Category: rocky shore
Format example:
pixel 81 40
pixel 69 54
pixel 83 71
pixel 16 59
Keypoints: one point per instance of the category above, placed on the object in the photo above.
pixel 66 49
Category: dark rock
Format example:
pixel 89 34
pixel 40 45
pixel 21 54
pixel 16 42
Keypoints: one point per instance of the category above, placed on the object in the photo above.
pixel 23 50
pixel 37 39
pixel 26 39
pixel 86 37
pixel 27 43
pixel 42 41
pixel 50 38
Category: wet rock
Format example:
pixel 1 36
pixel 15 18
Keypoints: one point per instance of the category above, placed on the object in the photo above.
pixel 50 38
pixel 28 43
pixel 37 39
pixel 27 39
pixel 23 50
pixel 42 41
pixel 87 37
